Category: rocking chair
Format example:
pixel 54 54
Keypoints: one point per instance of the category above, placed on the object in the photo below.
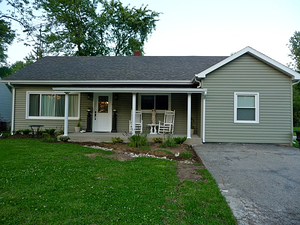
pixel 167 126
pixel 138 122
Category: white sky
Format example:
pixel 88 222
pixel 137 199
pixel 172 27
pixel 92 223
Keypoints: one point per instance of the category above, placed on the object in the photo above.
pixel 214 28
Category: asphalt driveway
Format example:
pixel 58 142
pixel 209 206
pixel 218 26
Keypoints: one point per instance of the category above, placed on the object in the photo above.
pixel 261 182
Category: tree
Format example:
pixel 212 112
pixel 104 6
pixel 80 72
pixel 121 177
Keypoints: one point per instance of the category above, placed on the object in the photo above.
pixel 6 37
pixel 294 46
pixel 85 27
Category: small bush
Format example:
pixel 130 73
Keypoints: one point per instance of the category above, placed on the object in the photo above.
pixel 169 142
pixel 157 140
pixel 117 140
pixel 60 132
pixel 137 141
pixel 179 140
pixel 64 138
pixel 51 132
pixel 26 131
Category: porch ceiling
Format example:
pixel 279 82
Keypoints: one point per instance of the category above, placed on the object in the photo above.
pixel 129 90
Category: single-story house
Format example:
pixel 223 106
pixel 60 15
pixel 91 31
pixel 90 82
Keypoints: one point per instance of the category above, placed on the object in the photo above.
pixel 246 97
pixel 5 109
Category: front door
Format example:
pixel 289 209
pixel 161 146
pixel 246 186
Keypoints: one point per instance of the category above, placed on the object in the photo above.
pixel 102 112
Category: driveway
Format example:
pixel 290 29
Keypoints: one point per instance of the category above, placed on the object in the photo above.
pixel 260 182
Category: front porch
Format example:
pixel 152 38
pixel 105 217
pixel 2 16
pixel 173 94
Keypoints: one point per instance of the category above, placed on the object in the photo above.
pixel 106 137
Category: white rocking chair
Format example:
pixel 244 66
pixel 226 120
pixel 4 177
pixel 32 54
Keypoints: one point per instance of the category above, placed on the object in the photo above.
pixel 167 126
pixel 138 122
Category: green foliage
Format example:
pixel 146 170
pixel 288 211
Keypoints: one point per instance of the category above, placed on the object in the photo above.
pixel 157 140
pixel 64 138
pixel 26 131
pixel 296 104
pixel 6 37
pixel 117 140
pixel 169 142
pixel 79 124
pixel 137 141
pixel 186 155
pixel 179 140
pixel 49 138
pixel 294 47
pixel 51 132
pixel 80 28
pixel 55 183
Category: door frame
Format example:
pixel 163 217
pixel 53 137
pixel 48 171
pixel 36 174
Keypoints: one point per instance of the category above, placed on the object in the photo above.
pixel 95 106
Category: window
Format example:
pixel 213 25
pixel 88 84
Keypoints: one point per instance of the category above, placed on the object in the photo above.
pixel 158 102
pixel 246 107
pixel 49 105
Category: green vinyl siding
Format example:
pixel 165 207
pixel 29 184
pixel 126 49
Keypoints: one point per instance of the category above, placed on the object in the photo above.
pixel 122 103
pixel 20 111
pixel 247 74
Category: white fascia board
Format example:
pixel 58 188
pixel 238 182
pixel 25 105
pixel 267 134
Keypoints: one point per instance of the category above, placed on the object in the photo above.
pixel 256 54
pixel 49 82
pixel 130 90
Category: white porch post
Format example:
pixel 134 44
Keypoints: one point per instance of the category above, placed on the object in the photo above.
pixel 189 114
pixel 203 106
pixel 133 110
pixel 66 124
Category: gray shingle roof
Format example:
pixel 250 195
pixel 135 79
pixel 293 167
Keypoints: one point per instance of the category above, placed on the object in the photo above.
pixel 80 68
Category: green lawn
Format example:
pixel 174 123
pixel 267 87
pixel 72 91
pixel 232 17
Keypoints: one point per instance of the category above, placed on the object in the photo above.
pixel 54 183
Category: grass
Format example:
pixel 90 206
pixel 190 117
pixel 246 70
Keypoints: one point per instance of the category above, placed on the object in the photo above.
pixel 55 183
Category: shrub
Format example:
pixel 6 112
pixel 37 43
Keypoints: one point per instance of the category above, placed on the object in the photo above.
pixel 64 138
pixel 157 140
pixel 51 132
pixel 117 140
pixel 179 140
pixel 26 131
pixel 169 142
pixel 137 141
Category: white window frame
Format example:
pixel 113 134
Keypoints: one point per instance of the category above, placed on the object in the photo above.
pixel 256 98
pixel 149 110
pixel 49 117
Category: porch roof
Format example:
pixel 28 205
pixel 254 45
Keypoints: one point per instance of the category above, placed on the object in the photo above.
pixel 129 90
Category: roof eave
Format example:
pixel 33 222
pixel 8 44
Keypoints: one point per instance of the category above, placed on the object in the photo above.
pixel 95 82
pixel 256 54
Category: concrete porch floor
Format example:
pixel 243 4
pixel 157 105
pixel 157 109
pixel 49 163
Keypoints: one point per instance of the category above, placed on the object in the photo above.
pixel 106 137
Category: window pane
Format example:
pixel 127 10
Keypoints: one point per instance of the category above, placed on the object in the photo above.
pixel 47 105
pixel 103 104
pixel 60 105
pixel 73 105
pixel 246 101
pixel 246 114
pixel 34 104
pixel 147 102
pixel 161 102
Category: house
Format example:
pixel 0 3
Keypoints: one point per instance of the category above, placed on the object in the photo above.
pixel 246 97
pixel 5 109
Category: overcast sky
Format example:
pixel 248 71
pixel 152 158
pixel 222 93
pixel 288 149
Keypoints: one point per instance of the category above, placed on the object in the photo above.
pixel 214 28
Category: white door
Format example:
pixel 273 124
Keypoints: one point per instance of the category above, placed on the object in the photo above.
pixel 102 112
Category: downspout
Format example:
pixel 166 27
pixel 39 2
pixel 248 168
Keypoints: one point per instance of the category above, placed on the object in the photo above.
pixel 197 81
pixel 12 126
